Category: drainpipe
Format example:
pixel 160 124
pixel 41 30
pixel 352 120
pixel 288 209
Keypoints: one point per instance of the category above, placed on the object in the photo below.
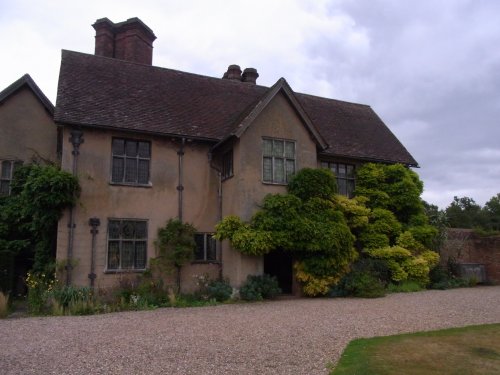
pixel 180 187
pixel 76 139
pixel 94 222
pixel 219 198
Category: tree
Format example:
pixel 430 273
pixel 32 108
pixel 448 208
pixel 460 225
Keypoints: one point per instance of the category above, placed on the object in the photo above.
pixel 464 212
pixel 491 213
pixel 175 247
pixel 398 231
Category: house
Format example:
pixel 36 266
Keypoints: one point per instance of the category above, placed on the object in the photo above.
pixel 27 128
pixel 149 144
pixel 27 133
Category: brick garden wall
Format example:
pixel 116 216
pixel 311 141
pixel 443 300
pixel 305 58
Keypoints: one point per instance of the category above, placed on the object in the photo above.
pixel 465 246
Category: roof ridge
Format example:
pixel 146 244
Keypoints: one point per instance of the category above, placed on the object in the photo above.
pixel 332 99
pixel 114 59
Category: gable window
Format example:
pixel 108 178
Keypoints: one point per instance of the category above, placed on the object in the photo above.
pixel 344 174
pixel 278 160
pixel 127 244
pixel 227 165
pixel 8 168
pixel 206 247
pixel 130 164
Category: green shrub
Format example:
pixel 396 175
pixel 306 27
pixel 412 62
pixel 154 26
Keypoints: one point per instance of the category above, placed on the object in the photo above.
pixel 39 287
pixel 313 183
pixel 407 286
pixel 442 278
pixel 257 288
pixel 220 290
pixel 367 278
pixel 363 284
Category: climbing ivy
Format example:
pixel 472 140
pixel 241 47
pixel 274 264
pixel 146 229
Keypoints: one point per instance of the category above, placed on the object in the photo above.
pixel 306 222
pixel 29 216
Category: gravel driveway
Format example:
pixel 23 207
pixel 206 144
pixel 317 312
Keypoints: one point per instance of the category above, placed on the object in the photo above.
pixel 283 337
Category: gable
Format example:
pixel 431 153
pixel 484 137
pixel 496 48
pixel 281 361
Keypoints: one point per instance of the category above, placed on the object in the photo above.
pixel 27 82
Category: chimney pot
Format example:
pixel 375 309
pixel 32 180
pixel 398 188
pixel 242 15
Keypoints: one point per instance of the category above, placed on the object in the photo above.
pixel 250 75
pixel 233 72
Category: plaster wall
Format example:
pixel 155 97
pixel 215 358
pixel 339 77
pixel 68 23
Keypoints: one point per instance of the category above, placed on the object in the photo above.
pixel 156 203
pixel 245 190
pixel 26 128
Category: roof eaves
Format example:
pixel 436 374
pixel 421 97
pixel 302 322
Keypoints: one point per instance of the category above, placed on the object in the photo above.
pixel 27 80
pixel 412 164
pixel 136 131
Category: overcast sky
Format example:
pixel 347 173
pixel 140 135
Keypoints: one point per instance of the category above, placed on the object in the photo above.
pixel 429 68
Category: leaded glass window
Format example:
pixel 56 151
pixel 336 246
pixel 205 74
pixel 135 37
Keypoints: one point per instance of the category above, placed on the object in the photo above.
pixel 127 244
pixel 278 160
pixel 344 174
pixel 130 161
pixel 7 169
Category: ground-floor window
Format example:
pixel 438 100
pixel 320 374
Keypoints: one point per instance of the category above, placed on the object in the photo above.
pixel 344 174
pixel 206 247
pixel 127 244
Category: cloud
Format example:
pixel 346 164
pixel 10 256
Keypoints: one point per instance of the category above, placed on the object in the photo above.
pixel 430 69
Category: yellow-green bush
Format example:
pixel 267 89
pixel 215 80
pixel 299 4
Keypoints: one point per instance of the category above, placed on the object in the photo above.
pixel 312 285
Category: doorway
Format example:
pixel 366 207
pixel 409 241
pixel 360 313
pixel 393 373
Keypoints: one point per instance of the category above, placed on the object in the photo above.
pixel 279 264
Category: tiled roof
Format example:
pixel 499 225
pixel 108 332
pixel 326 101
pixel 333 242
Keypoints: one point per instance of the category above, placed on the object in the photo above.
pixel 26 80
pixel 109 93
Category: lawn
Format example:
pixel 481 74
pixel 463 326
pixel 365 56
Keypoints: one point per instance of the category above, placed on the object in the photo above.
pixel 468 351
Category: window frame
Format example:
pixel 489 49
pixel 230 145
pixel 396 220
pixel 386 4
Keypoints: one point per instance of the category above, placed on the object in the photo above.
pixel 284 157
pixel 206 237
pixel 349 181
pixel 227 165
pixel 14 164
pixel 122 239
pixel 124 157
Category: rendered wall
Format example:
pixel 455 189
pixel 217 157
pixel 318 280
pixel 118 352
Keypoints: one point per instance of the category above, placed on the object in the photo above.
pixel 26 128
pixel 245 190
pixel 157 203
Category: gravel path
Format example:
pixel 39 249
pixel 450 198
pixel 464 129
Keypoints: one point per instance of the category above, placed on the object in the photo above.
pixel 282 337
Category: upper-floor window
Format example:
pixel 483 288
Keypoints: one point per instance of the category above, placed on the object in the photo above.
pixel 278 160
pixel 206 247
pixel 227 164
pixel 6 174
pixel 130 164
pixel 127 244
pixel 344 174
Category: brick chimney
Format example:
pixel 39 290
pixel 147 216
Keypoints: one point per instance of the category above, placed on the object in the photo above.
pixel 233 72
pixel 130 40
pixel 250 75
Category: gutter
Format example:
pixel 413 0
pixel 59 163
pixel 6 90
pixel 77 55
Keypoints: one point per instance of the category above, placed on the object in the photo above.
pixel 76 140
pixel 219 214
pixel 180 187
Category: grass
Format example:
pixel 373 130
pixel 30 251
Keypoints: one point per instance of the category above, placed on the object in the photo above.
pixel 473 350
